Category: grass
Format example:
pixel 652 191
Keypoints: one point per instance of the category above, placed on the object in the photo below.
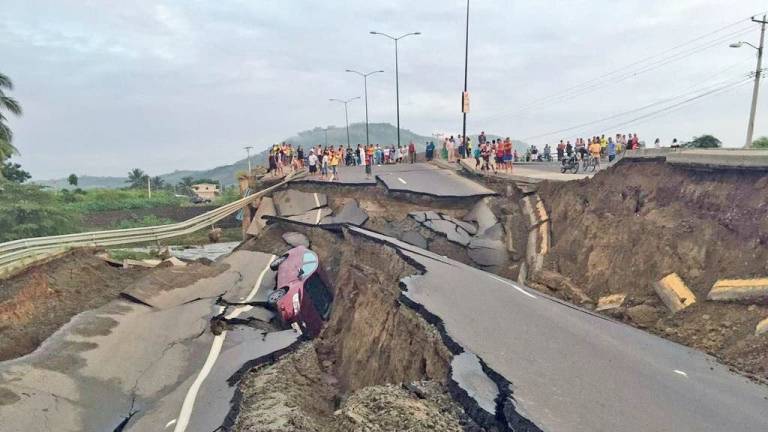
pixel 97 200
pixel 123 254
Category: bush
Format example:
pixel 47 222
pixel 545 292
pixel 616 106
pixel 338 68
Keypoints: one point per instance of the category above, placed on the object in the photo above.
pixel 146 221
pixel 760 143
pixel 117 199
pixel 30 211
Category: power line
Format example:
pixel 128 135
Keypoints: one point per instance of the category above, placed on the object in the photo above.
pixel 622 77
pixel 621 114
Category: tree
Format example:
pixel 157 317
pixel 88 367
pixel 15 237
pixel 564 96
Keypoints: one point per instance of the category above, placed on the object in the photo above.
pixel 9 104
pixel 72 180
pixel 136 178
pixel 704 141
pixel 761 143
pixel 13 172
pixel 157 182
pixel 185 185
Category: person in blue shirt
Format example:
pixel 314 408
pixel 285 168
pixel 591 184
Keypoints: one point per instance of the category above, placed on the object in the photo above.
pixel 611 150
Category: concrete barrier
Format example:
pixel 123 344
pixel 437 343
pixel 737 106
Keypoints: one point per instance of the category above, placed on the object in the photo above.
pixel 745 290
pixel 674 293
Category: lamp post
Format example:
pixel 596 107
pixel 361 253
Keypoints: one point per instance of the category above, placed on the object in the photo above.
pixel 465 95
pixel 365 87
pixel 248 152
pixel 758 72
pixel 397 77
pixel 346 112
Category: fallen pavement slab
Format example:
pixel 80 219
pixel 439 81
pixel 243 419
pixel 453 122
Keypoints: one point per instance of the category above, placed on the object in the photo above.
pixel 674 292
pixel 292 202
pixel 744 290
pixel 265 208
pixel 350 213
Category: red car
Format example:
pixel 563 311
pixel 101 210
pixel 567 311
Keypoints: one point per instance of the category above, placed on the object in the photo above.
pixel 302 298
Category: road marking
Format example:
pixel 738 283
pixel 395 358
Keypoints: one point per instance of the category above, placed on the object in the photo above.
pixel 679 372
pixel 218 341
pixel 402 181
pixel 169 423
pixel 513 286
pixel 319 213
pixel 317 200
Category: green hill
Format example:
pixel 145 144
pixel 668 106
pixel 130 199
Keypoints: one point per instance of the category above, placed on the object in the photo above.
pixel 380 133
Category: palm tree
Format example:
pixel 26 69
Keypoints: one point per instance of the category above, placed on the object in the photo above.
pixel 185 185
pixel 157 182
pixel 9 104
pixel 137 178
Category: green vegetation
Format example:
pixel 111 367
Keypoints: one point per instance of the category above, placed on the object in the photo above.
pixel 760 143
pixel 10 105
pixel 149 220
pixel 117 199
pixel 704 141
pixel 72 180
pixel 30 211
pixel 13 172
pixel 123 254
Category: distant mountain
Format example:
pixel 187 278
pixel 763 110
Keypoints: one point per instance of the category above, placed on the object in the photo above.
pixel 380 133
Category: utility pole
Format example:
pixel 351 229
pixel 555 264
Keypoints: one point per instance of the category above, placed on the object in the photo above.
pixel 326 136
pixel 149 187
pixel 365 86
pixel 248 151
pixel 758 72
pixel 465 95
pixel 397 75
pixel 346 112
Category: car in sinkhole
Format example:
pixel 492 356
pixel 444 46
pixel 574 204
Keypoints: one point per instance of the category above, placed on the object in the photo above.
pixel 301 298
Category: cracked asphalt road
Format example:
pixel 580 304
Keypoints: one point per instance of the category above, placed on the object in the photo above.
pixel 132 365
pixel 570 370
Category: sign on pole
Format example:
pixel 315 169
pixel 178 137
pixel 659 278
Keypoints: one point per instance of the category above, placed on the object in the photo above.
pixel 465 102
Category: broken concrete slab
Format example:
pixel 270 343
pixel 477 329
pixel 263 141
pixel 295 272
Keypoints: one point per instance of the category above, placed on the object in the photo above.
pixel 481 214
pixel 312 217
pixel 453 232
pixel 414 238
pixel 173 262
pixel 350 213
pixel 612 301
pixel 469 227
pixel 140 263
pixel 295 239
pixel 292 202
pixel 468 375
pixel 488 257
pixel 257 313
pixel 740 290
pixel 674 292
pixel 265 208
pixel 558 282
pixel 762 327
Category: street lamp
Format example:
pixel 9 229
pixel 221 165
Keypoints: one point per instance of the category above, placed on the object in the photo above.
pixel 365 86
pixel 248 152
pixel 397 78
pixel 346 112
pixel 758 72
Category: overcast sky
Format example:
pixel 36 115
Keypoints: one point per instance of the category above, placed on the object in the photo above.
pixel 111 85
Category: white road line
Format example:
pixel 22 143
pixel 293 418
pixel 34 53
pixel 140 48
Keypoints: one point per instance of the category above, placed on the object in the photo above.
pixel 169 423
pixel 218 341
pixel 402 181
pixel 319 213
pixel 514 286
pixel 679 372
pixel 317 200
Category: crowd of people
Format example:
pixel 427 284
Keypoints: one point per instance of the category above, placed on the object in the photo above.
pixel 324 161
pixel 489 155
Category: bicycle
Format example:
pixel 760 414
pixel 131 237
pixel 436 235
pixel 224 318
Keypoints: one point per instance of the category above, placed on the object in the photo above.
pixel 590 162
pixel 570 164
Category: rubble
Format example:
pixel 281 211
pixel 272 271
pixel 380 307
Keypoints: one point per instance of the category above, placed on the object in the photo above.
pixel 674 292
pixel 612 301
pixel 741 290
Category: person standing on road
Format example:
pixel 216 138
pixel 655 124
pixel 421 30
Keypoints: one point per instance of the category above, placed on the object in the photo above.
pixel 334 162
pixel 366 165
pixel 594 150
pixel 312 160
pixel 450 144
pixel 477 156
pixel 412 152
pixel 611 150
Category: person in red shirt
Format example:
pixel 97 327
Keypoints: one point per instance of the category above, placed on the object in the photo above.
pixel 412 152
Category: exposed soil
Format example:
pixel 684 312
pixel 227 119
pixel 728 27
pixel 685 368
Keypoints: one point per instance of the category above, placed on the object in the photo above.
pixel 377 366
pixel 36 303
pixel 635 223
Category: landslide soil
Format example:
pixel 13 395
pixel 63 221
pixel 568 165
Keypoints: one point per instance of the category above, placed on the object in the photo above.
pixel 36 303
pixel 377 365
pixel 635 223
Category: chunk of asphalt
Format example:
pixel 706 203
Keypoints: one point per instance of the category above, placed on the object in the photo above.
pixel 350 213
pixel 468 375
pixel 414 238
pixel 453 232
pixel 292 202
pixel 418 216
pixel 312 217
pixel 469 227
pixel 266 208
pixel 487 256
pixel 295 239
pixel 482 215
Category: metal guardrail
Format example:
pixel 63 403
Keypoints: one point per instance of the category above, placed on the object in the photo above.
pixel 18 254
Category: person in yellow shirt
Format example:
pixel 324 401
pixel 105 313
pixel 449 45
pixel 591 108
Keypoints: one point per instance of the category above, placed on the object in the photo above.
pixel 594 150
pixel 335 157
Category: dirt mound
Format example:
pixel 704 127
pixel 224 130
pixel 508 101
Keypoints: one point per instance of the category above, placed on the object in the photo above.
pixel 635 223
pixel 34 304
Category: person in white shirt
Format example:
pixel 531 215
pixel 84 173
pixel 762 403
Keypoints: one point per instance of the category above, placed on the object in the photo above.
pixel 312 163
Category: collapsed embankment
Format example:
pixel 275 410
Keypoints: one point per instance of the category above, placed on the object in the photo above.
pixel 633 224
pixel 377 364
